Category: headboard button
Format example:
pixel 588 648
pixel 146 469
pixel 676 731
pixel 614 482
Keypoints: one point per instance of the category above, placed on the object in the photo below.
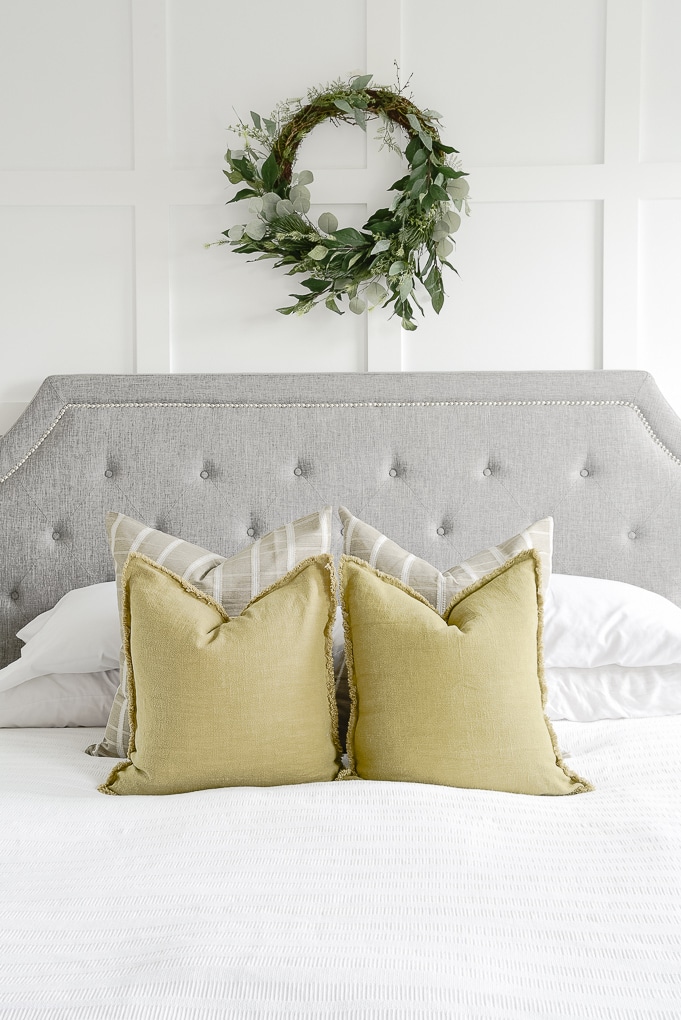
pixel 56 536
pixel 108 473
pixel 632 534
pixel 14 595
pixel 440 531
pixel 297 471
pixel 584 473
pixel 250 532
pixel 393 472
pixel 487 472
pixel 204 474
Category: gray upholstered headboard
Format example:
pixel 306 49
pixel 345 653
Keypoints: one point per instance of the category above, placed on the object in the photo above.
pixel 444 463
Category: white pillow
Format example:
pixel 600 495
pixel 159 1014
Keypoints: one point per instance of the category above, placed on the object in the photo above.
pixel 61 699
pixel 590 622
pixel 613 692
pixel 81 634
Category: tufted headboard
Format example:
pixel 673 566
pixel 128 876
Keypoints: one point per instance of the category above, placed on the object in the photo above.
pixel 444 463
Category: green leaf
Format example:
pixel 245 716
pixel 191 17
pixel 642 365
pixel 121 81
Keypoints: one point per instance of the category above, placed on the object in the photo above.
pixel 361 118
pixel 406 287
pixel 244 167
pixel 284 207
pixel 360 82
pixel 437 300
pixel 270 172
pixel 375 293
pixel 397 268
pixel 343 105
pixel 317 286
pixel 305 177
pixel 348 235
pixel 400 185
pixel 420 155
pixel 236 232
pixel 331 305
pixel 413 146
pixel 233 175
pixel 432 114
pixel 358 305
pixel 448 171
pixel 446 148
pixel 408 324
pixel 380 246
pixel 384 227
pixel 453 220
pixel 288 310
pixel 328 223
pixel 458 188
pixel 427 140
pixel 269 204
pixel 419 172
pixel 318 253
pixel 414 122
pixel 441 230
pixel 244 193
pixel 255 117
pixel 444 248
pixel 437 193
pixel 270 126
pixel 256 230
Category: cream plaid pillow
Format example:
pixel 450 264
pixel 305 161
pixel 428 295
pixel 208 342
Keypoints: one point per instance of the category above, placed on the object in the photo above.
pixel 231 582
pixel 439 588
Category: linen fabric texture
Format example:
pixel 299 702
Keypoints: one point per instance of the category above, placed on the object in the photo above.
pixel 231 582
pixel 438 587
pixel 60 699
pixel 217 701
pixel 453 698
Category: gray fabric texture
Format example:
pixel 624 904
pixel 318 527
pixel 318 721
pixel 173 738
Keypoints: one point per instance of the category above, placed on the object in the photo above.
pixel 445 464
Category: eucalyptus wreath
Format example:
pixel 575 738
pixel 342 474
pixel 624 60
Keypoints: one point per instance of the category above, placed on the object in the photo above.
pixel 380 264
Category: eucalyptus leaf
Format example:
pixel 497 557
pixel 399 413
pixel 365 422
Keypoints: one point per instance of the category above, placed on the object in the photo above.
pixel 380 246
pixel 344 105
pixel 458 188
pixel 331 304
pixel 236 232
pixel 305 177
pixel 328 223
pixel 360 82
pixel 256 204
pixel 284 207
pixel 270 126
pixel 441 230
pixel 270 201
pixel 414 122
pixel 255 117
pixel 406 287
pixel 358 305
pixel 301 205
pixel 433 114
pixel 375 293
pixel 361 118
pixel 397 268
pixel 427 140
pixel 318 253
pixel 444 248
pixel 256 230
pixel 298 191
pixel 453 219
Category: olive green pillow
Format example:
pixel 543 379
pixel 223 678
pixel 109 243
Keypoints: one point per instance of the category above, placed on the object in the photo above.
pixel 219 701
pixel 454 699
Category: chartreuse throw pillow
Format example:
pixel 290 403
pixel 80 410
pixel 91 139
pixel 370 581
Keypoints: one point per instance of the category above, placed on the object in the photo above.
pixel 454 698
pixel 219 701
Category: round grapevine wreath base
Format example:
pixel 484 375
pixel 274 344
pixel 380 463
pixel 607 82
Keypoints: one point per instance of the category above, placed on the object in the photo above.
pixel 398 247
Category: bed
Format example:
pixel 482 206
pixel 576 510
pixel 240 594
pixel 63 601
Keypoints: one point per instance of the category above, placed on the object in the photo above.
pixel 342 899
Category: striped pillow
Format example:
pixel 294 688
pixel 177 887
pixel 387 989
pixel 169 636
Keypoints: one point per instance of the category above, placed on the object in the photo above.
pixel 366 543
pixel 231 582
pixel 439 588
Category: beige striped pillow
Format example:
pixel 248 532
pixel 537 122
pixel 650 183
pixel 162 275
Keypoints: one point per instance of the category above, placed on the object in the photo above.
pixel 439 588
pixel 231 582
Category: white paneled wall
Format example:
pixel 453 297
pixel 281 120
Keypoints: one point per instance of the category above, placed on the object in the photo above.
pixel 567 117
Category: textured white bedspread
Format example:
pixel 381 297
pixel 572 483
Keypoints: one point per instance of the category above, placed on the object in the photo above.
pixel 343 899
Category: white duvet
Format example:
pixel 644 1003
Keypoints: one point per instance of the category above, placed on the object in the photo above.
pixel 348 899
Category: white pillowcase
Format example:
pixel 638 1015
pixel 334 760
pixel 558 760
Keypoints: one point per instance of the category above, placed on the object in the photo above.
pixel 60 699
pixel 613 692
pixel 81 634
pixel 591 622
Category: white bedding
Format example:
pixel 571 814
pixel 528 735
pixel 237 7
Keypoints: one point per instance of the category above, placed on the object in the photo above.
pixel 343 899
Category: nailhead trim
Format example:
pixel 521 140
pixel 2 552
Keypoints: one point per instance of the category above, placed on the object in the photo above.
pixel 356 403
